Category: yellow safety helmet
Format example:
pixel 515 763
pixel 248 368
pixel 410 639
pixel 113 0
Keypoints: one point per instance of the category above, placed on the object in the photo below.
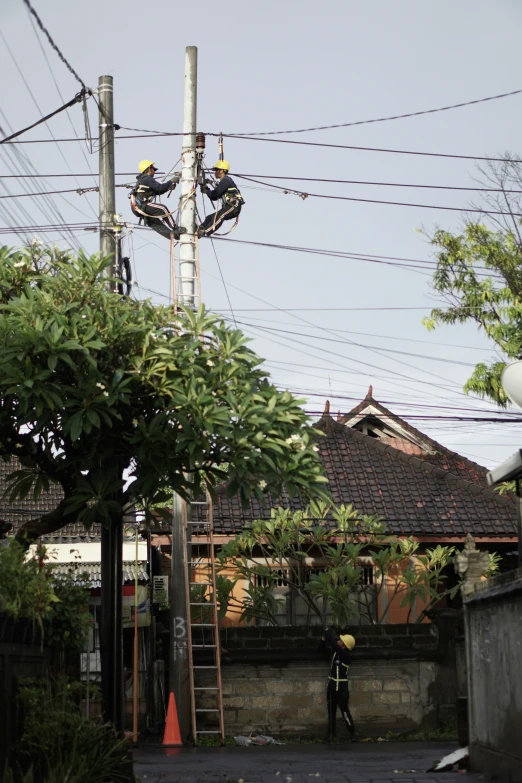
pixel 144 165
pixel 348 641
pixel 224 165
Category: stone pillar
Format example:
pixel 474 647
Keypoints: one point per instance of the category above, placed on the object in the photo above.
pixel 471 564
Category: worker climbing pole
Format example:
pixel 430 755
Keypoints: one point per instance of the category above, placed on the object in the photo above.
pixel 228 193
pixel 143 197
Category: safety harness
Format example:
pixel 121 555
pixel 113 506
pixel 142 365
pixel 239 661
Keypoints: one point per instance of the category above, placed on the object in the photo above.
pixel 336 668
pixel 230 200
pixel 142 194
pixel 232 196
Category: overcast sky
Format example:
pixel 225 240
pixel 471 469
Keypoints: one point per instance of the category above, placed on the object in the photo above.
pixel 282 66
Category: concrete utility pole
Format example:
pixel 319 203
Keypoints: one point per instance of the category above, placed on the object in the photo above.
pixel 107 180
pixel 111 631
pixel 179 678
pixel 187 265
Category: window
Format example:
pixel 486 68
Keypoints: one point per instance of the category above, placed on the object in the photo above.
pixel 293 609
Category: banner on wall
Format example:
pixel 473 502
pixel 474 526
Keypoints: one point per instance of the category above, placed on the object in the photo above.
pixel 143 608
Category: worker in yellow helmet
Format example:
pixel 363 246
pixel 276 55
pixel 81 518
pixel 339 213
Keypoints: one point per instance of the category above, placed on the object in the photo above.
pixel 337 694
pixel 143 196
pixel 226 191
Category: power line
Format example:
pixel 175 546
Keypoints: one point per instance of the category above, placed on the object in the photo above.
pixel 383 119
pixel 403 402
pixel 167 134
pixel 474 419
pixel 71 123
pixel 17 160
pixel 293 340
pixel 223 280
pixel 46 141
pixel 349 342
pixel 390 203
pixel 62 176
pixel 380 184
pixel 406 263
pixel 54 46
pixel 389 337
pixel 77 98
pixel 368 364
pixel 22 76
pixel 361 345
pixel 369 149
pixel 335 309
pixel 303 179
pixel 79 190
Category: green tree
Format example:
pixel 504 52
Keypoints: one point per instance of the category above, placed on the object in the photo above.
pixel 479 274
pixel 93 384
pixel 322 563
pixel 31 589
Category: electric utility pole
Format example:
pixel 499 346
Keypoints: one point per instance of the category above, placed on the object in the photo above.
pixel 179 677
pixel 187 265
pixel 111 631
pixel 107 179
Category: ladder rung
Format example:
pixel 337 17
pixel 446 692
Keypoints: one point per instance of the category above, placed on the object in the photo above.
pixel 206 688
pixel 207 732
pixel 198 503
pixel 204 646
pixel 206 667
pixel 211 710
pixel 203 625
pixel 207 584
pixel 205 603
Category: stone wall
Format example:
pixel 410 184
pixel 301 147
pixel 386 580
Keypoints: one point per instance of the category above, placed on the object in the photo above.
pixel 274 680
pixel 494 650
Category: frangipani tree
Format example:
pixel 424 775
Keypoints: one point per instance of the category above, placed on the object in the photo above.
pixel 93 384
pixel 293 543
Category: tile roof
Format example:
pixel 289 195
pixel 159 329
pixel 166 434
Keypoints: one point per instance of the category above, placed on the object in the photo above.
pixel 433 452
pixel 414 496
pixel 22 510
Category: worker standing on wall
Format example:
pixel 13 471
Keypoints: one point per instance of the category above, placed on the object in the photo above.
pixel 231 199
pixel 337 694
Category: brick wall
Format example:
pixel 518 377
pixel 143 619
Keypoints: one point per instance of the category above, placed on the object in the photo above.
pixel 274 680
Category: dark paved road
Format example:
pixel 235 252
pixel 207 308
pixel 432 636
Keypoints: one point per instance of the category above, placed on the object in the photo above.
pixel 398 762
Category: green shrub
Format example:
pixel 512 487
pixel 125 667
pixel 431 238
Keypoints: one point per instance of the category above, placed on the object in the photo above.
pixel 58 745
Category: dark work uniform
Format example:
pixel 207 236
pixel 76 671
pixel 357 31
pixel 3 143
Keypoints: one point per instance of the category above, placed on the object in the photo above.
pixel 337 689
pixel 156 216
pixel 231 203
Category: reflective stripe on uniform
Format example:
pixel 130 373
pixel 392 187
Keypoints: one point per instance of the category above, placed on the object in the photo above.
pixel 338 679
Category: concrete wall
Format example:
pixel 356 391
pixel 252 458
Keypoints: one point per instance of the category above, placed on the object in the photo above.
pixel 494 651
pixel 274 680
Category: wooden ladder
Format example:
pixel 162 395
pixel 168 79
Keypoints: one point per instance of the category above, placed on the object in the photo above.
pixel 202 621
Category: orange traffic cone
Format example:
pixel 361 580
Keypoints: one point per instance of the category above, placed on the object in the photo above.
pixel 172 734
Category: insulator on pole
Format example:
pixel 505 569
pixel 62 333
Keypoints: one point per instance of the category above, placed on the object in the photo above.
pixel 220 142
pixel 200 143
